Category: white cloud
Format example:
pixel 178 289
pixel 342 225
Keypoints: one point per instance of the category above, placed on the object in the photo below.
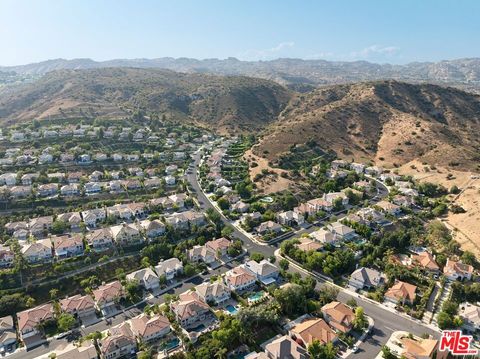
pixel 265 54
pixel 320 56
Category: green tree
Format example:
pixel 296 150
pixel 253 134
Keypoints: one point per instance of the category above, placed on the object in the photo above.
pixel 257 257
pixel 360 321
pixel 65 322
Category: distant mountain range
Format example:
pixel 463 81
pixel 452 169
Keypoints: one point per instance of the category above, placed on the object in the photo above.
pixel 300 75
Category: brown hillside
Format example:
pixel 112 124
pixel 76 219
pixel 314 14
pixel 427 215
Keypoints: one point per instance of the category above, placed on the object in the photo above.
pixel 230 103
pixel 389 122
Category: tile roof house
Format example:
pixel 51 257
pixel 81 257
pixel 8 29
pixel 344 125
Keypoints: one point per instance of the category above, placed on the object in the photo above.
pixel 457 271
pixel 189 310
pixel 401 292
pixel 366 278
pixel 38 226
pixel 264 271
pixel 100 239
pixel 281 348
pixel 92 217
pixel 342 231
pixel 170 268
pixel 338 316
pixel 389 208
pixel 470 315
pixel 268 227
pixel 74 219
pixel 8 335
pixel 201 253
pixel 219 246
pixel 324 236
pixel 312 329
pixel 119 343
pixel 146 277
pixel 215 292
pixel 6 256
pixel 290 218
pixel 148 329
pixel 307 244
pixel 126 234
pixel 426 261
pixel 153 228
pixel 67 246
pixel 39 251
pixel 239 279
pixel 86 350
pixel 106 295
pixel 29 322
pixel 78 305
pixel 419 348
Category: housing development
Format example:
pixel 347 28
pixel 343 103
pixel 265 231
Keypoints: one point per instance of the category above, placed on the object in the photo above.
pixel 152 239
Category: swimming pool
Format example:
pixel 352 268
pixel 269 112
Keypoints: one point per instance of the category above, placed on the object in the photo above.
pixel 231 309
pixel 171 344
pixel 198 328
pixel 255 297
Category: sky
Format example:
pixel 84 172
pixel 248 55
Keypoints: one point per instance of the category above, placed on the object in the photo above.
pixel 385 31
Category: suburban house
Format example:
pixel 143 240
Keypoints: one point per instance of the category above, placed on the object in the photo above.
pixel 86 350
pixel 189 310
pixel 201 253
pixel 107 295
pixel 470 314
pixel 401 292
pixel 264 271
pixel 338 316
pixel 268 227
pixel 215 292
pixel 28 178
pixel 73 219
pixel 219 246
pixel 421 348
pixel 126 234
pixel 152 183
pixel 389 208
pixel 457 271
pixel 184 220
pixel 148 329
pixel 332 197
pixel 20 191
pixel 313 206
pixel 153 228
pixel 307 244
pixel 170 268
pixel 342 231
pixel 240 207
pixel 426 261
pixel 39 226
pixel 68 246
pixel 8 179
pixel 79 306
pixel 100 239
pixel 366 278
pixel 312 329
pixel 324 236
pixel 283 347
pixel 39 251
pixel 8 334
pixel 6 256
pixel 93 187
pixel 371 216
pixel 290 218
pixel 92 217
pixel 238 279
pixel 146 277
pixel 119 343
pixel 48 189
pixel 29 324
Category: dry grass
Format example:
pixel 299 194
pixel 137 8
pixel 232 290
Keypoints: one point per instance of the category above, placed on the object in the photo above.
pixel 465 226
pixel 270 183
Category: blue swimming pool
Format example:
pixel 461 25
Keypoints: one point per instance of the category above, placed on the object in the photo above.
pixel 231 309
pixel 256 296
pixel 171 344
pixel 198 329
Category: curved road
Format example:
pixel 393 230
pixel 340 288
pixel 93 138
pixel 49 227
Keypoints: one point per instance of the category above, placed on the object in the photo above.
pixel 386 322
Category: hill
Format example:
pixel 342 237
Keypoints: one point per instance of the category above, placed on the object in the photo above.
pixel 297 73
pixel 228 102
pixel 389 122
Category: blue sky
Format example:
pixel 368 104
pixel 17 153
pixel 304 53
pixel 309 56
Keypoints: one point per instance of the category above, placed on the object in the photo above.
pixel 398 31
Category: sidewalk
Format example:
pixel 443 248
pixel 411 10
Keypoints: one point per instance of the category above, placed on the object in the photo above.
pixel 360 340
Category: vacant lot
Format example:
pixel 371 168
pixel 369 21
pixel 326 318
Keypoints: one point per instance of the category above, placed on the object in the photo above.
pixel 465 226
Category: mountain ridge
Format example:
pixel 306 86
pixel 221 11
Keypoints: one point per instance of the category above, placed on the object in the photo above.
pixel 463 73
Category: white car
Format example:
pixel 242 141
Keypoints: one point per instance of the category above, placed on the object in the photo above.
pixel 354 349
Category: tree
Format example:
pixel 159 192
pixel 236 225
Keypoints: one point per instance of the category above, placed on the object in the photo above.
pixel 59 227
pixel 283 263
pixel 145 262
pixel 188 270
pixel 223 203
pixel 359 322
pixel 319 351
pixel 257 257
pixel 444 320
pixel 292 300
pixel 53 293
pixel 469 258
pixel 227 231
pixel 65 322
